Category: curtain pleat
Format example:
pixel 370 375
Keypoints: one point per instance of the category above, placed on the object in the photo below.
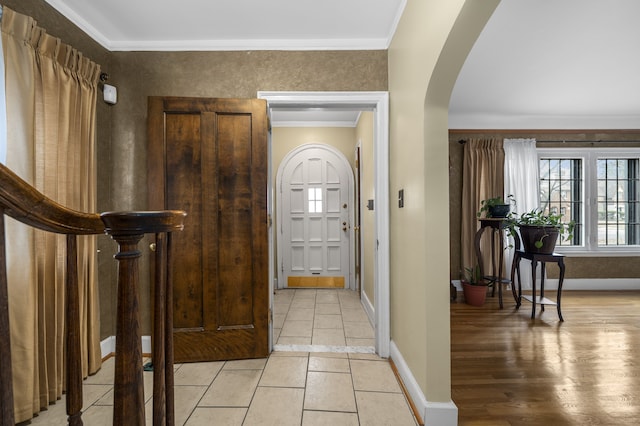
pixel 19 61
pixel 3 112
pixel 482 178
pixel 521 178
pixel 51 104
pixel 521 173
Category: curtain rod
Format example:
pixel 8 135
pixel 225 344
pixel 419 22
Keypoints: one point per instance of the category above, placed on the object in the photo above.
pixel 586 141
pixel 462 141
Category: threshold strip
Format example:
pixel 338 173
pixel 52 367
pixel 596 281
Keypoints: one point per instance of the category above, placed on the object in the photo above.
pixel 325 348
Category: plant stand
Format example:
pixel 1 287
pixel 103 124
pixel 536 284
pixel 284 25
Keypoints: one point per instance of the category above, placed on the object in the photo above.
pixel 496 278
pixel 543 259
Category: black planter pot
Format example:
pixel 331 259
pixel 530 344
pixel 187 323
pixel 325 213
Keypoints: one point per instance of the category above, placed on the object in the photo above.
pixel 546 236
pixel 499 210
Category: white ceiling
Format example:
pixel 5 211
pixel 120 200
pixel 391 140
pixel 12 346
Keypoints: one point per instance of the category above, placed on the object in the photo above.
pixel 235 24
pixel 553 64
pixel 537 64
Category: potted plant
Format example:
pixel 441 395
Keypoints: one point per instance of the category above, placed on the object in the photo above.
pixel 540 231
pixel 496 207
pixel 474 287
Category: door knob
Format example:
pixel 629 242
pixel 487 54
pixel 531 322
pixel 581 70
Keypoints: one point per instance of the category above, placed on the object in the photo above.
pixel 152 246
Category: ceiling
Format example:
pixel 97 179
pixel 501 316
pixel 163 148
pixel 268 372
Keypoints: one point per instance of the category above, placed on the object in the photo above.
pixel 235 24
pixel 537 64
pixel 553 64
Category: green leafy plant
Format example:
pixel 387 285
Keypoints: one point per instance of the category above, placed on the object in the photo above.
pixel 473 276
pixel 486 206
pixel 538 218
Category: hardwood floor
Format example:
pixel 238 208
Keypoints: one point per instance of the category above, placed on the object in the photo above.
pixel 510 370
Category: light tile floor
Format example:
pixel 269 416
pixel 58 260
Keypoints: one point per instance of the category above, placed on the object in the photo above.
pixel 332 318
pixel 288 388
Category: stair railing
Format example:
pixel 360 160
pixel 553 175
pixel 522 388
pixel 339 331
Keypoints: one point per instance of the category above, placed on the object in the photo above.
pixel 24 203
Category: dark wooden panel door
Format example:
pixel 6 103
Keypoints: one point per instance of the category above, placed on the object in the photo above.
pixel 209 158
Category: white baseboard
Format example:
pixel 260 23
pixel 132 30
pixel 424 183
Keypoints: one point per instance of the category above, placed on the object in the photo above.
pixel 457 284
pixel 433 413
pixel 368 309
pixel 108 346
pixel 595 284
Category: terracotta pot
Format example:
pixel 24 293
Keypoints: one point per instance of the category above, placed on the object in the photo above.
pixel 547 234
pixel 474 295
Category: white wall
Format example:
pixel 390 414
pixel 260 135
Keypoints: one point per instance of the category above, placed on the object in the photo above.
pixel 364 133
pixel 425 56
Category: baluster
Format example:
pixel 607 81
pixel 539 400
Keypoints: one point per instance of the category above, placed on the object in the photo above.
pixel 72 318
pixel 159 385
pixel 169 335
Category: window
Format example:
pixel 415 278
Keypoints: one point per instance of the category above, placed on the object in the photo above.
pixel 599 189
pixel 561 192
pixel 315 200
pixel 617 201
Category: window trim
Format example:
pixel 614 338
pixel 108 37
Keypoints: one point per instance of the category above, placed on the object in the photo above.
pixel 589 156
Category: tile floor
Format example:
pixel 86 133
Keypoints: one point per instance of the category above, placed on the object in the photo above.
pixel 288 388
pixel 332 318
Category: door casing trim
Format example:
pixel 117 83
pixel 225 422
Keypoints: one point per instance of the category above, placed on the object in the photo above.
pixel 378 102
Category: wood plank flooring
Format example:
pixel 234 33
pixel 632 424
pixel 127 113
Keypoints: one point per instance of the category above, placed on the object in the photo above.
pixel 510 370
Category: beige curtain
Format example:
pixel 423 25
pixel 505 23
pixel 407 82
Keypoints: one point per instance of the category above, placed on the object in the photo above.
pixel 482 178
pixel 51 103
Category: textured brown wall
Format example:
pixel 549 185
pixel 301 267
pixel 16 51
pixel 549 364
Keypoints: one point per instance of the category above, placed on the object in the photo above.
pixel 577 267
pixel 455 205
pixel 218 74
pixel 122 128
pixel 57 25
pixel 138 75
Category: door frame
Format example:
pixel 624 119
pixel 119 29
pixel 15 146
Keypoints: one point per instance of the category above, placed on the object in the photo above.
pixel 357 219
pixel 378 102
pixel 350 284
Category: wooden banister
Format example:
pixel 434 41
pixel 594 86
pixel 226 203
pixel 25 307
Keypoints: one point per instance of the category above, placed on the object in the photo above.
pixel 24 203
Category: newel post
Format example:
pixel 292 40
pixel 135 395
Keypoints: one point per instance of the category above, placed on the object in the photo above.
pixel 127 229
pixel 128 407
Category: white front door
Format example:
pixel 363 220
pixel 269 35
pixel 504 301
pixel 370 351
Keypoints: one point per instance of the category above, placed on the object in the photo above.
pixel 315 190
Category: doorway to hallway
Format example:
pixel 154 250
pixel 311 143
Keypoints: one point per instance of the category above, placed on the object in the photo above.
pixel 377 103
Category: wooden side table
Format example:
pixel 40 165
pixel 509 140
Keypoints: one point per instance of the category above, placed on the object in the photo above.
pixel 496 277
pixel 543 259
